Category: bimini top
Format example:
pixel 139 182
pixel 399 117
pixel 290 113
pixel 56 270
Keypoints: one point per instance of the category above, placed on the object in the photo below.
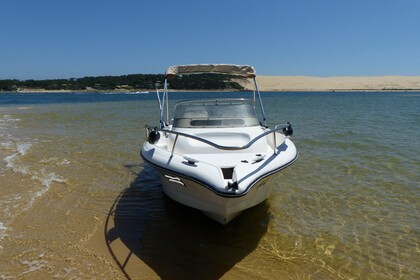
pixel 230 69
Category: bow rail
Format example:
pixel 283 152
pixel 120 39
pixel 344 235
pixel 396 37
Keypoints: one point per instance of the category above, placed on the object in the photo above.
pixel 284 127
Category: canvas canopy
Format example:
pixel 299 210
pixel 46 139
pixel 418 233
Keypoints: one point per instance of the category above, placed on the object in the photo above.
pixel 230 69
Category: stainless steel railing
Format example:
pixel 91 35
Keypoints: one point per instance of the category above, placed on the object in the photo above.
pixel 217 146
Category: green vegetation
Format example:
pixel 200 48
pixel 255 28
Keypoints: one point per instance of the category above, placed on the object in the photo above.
pixel 204 81
pixel 126 82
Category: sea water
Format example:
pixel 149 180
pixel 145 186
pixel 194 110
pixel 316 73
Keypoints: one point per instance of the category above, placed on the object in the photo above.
pixel 77 201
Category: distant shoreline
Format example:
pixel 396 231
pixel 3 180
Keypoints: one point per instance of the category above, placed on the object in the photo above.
pixel 291 84
pixel 279 91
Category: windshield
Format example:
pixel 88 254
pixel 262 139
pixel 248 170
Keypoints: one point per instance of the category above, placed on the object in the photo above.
pixel 215 113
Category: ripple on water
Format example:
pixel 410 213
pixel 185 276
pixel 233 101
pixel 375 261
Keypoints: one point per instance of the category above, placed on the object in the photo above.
pixel 348 208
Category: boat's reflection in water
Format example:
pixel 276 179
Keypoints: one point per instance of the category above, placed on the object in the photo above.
pixel 176 241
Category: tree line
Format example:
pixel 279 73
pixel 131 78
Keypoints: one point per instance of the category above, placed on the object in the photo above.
pixel 126 82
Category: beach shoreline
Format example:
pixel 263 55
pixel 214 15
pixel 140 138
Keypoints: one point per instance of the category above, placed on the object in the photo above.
pixel 291 84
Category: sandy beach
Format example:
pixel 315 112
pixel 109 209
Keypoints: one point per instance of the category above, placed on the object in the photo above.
pixel 307 83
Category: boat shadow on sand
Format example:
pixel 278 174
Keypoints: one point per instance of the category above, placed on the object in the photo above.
pixel 175 241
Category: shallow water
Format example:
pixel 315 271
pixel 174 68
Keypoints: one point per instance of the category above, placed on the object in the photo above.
pixel 78 202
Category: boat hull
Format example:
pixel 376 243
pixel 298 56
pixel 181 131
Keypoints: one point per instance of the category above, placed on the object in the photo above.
pixel 218 207
pixel 202 185
pixel 222 209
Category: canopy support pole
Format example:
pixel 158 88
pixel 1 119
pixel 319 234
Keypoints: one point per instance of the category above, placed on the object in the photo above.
pixel 260 101
pixel 167 102
pixel 162 108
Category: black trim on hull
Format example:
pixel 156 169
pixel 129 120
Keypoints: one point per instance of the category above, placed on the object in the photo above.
pixel 222 194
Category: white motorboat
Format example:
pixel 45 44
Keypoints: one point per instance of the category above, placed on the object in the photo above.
pixel 216 155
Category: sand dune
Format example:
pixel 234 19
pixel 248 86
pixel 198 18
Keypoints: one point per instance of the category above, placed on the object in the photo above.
pixel 306 83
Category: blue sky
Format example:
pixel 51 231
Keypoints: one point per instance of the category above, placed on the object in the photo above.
pixel 42 39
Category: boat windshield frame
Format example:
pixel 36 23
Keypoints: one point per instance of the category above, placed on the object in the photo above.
pixel 215 113
pixel 246 71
